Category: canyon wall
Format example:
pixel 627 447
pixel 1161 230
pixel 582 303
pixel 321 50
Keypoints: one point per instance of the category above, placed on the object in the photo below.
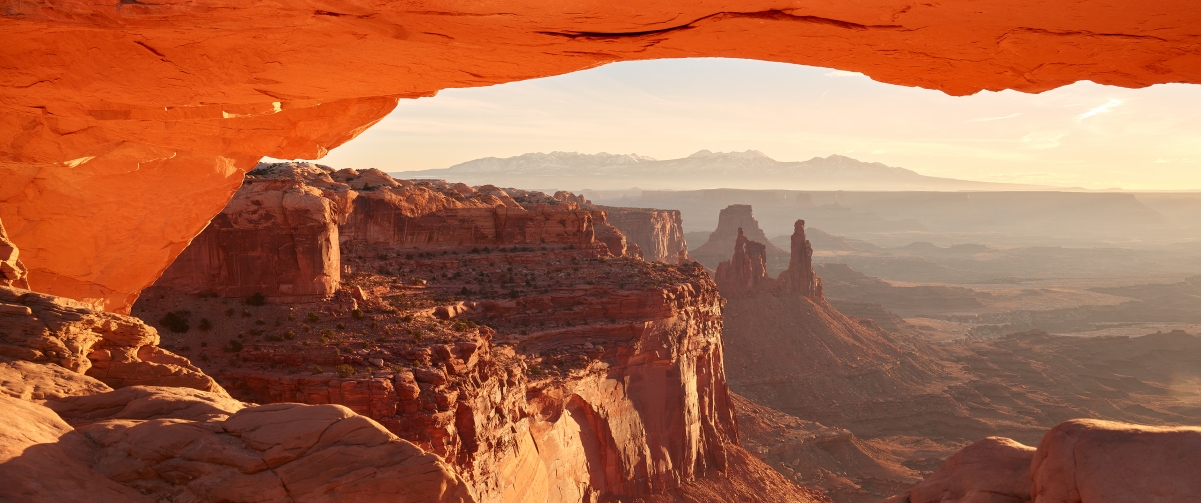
pixel 658 233
pixel 128 126
pixel 281 234
pixel 492 327
pixel 610 386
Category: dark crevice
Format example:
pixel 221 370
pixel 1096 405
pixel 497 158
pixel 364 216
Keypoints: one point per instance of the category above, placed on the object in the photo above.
pixel 774 15
pixel 151 49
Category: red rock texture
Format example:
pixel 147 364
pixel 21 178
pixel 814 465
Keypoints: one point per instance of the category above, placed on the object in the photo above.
pixel 993 470
pixel 1088 460
pixel 596 390
pixel 12 271
pixel 157 109
pixel 1078 461
pixel 281 234
pixel 746 272
pixel 658 233
pixel 145 444
pixel 729 222
pixel 117 350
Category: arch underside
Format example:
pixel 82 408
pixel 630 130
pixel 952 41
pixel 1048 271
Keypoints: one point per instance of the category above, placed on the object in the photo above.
pixel 126 127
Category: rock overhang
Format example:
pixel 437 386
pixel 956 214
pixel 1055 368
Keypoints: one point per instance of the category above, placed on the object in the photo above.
pixel 129 125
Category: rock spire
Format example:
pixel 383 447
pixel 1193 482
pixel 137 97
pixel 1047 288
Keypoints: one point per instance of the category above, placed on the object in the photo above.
pixel 799 277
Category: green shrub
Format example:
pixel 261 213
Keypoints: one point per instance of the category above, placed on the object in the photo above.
pixel 345 370
pixel 314 317
pixel 289 335
pixel 318 370
pixel 357 314
pixel 234 346
pixel 176 321
pixel 256 300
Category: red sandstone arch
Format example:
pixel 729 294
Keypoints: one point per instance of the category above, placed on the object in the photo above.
pixel 126 125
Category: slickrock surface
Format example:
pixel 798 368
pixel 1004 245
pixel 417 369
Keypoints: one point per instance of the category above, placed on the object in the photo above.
pixel 734 221
pixel 146 444
pixel 114 111
pixel 993 470
pixel 658 233
pixel 1082 460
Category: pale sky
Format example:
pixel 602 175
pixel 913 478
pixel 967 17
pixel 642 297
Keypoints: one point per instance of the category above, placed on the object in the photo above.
pixel 1084 135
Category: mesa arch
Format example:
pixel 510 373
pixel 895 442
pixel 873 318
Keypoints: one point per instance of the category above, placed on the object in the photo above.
pixel 127 125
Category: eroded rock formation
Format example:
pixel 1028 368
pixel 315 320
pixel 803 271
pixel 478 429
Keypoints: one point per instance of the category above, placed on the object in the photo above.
pixel 12 271
pixel 158 109
pixel 658 233
pixel 732 222
pixel 746 272
pixel 281 234
pixel 1083 460
pixel 517 347
pixel 145 444
pixel 117 350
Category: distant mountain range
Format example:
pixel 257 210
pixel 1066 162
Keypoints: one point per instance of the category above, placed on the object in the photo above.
pixel 751 169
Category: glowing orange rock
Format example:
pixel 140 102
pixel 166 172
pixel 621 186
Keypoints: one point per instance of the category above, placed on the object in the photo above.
pixel 126 126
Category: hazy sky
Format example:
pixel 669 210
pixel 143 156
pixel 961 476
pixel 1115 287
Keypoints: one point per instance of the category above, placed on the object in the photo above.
pixel 1084 135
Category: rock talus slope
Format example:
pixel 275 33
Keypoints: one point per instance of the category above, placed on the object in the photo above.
pixel 159 108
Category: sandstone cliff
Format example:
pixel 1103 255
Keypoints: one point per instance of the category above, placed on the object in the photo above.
pixel 523 352
pixel 724 238
pixel 658 233
pixel 282 233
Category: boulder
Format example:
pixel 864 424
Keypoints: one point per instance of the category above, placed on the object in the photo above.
pixel 1094 461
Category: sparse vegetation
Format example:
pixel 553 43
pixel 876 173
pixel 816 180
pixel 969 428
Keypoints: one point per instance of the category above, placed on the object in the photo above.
pixel 176 321
pixel 256 300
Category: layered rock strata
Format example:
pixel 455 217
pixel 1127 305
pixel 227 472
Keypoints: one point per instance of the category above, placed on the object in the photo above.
pixel 732 222
pixel 146 444
pixel 66 334
pixel 746 272
pixel 281 235
pixel 658 233
pixel 594 378
pixel 66 435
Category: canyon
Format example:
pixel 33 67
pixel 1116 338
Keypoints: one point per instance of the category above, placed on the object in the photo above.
pixel 478 344
pixel 114 111
pixel 864 413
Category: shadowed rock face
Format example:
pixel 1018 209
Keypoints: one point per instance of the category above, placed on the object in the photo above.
pixel 658 233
